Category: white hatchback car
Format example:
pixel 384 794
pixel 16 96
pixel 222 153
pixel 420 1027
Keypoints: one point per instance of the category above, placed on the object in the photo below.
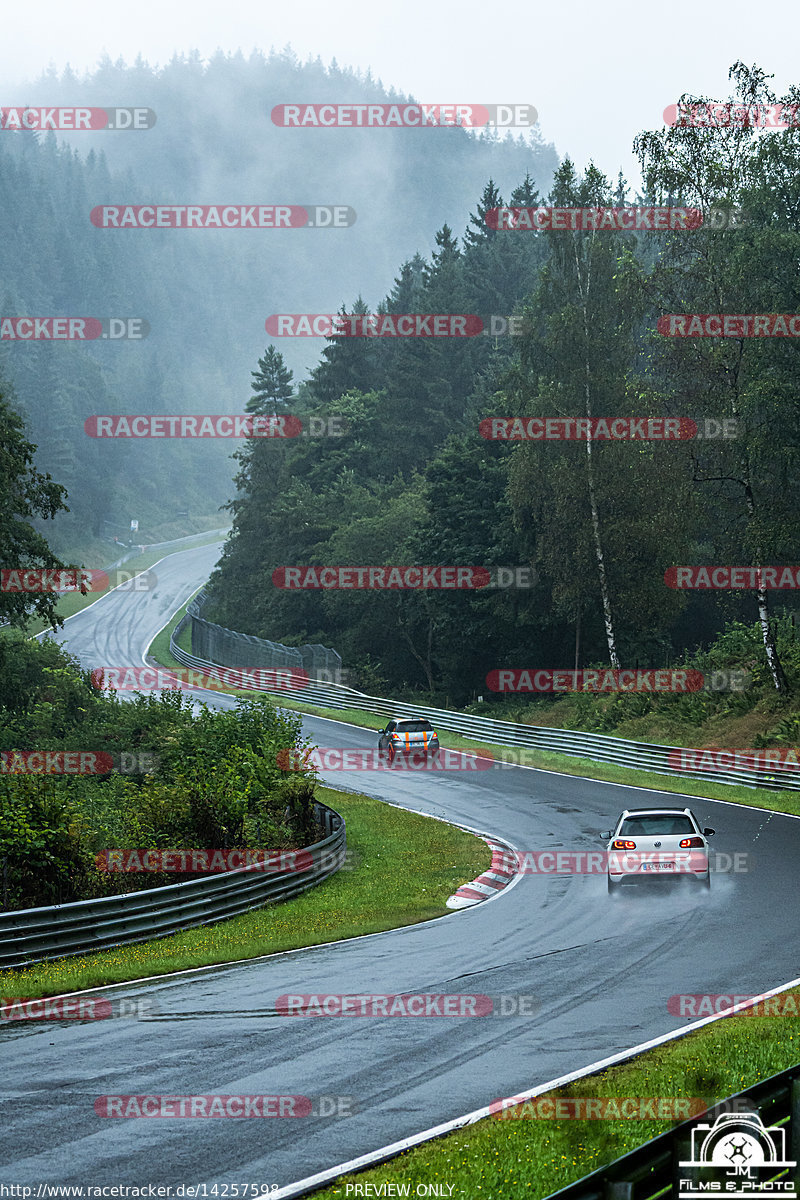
pixel 651 843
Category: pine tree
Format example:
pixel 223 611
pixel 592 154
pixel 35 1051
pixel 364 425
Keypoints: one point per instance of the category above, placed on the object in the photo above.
pixel 490 198
pixel 525 195
pixel 272 384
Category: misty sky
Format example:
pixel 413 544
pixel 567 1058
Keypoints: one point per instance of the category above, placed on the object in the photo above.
pixel 596 72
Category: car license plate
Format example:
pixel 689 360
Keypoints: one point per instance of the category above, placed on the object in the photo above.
pixel 667 866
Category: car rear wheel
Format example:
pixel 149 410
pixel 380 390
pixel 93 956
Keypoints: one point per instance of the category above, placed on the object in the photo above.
pixel 613 887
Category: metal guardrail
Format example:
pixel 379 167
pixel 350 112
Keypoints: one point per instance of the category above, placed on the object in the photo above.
pixel 643 756
pixel 229 648
pixel 33 934
pixel 140 547
pixel 652 1169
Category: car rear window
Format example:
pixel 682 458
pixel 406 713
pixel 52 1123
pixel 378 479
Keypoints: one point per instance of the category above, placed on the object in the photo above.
pixel 414 727
pixel 657 823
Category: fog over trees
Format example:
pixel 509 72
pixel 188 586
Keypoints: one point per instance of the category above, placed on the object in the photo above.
pixel 410 479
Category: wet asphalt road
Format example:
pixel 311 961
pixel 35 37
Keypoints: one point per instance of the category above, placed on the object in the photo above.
pixel 601 970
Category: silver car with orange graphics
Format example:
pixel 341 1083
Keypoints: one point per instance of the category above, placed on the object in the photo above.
pixel 410 736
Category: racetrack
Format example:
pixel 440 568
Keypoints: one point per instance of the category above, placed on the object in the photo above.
pixel 601 969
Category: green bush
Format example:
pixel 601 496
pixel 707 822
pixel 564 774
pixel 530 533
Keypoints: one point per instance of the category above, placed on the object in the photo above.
pixel 43 859
pixel 216 782
pixel 740 647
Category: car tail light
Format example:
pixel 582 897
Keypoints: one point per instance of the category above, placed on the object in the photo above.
pixel 622 844
pixel 695 842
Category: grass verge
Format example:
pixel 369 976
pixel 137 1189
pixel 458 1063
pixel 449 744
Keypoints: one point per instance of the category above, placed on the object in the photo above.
pixel 377 889
pixel 503 1157
pixel 159 647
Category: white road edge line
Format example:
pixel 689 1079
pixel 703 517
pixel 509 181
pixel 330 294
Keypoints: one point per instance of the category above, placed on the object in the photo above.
pixel 482 833
pixel 374 1157
pixel 52 629
pixel 244 962
pixel 313 1182
pixel 638 787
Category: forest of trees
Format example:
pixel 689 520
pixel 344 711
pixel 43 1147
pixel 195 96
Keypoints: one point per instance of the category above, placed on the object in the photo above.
pixel 412 480
pixel 205 294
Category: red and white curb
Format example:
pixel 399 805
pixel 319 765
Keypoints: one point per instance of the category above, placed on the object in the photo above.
pixel 500 874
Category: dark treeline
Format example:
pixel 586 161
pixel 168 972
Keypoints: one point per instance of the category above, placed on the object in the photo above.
pixel 411 481
pixel 52 263
pixel 205 293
